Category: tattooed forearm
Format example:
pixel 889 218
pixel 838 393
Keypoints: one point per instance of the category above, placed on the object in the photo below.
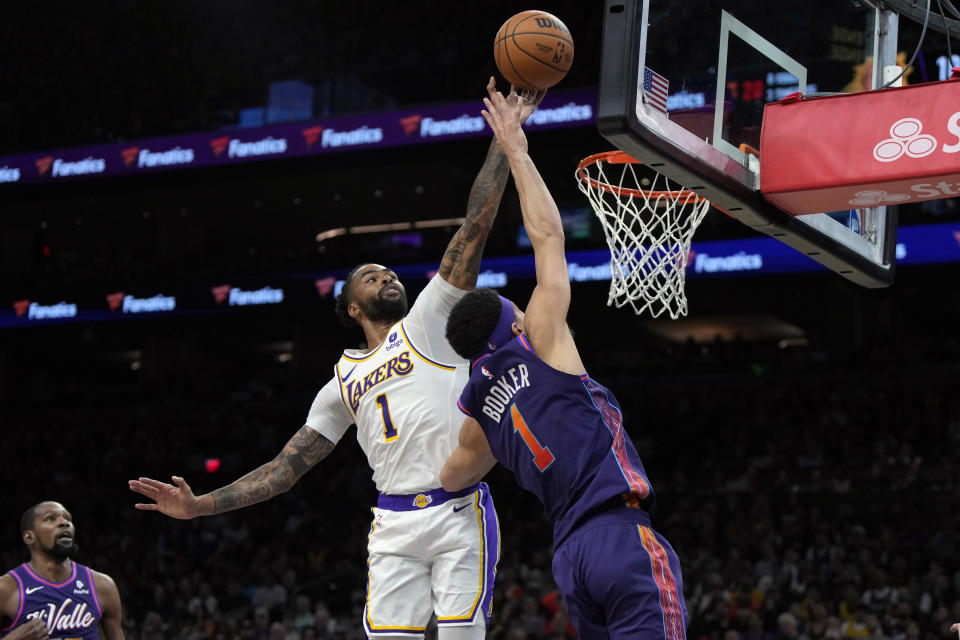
pixel 461 261
pixel 305 449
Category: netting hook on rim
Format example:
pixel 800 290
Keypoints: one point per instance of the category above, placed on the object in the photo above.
pixel 648 231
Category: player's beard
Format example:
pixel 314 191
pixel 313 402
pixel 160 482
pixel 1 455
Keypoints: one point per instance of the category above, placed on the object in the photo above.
pixel 62 551
pixel 382 309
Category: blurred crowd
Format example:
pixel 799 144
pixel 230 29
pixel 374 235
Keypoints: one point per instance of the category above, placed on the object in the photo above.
pixel 180 68
pixel 808 496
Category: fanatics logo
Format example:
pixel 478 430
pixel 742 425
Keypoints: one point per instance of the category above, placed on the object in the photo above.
pixel 9 174
pixel 114 300
pixel 129 155
pixel 34 311
pixel 411 123
pixel 132 304
pixel 43 164
pixel 237 297
pixel 324 286
pixel 219 145
pixel 220 293
pixel 422 501
pixel 311 135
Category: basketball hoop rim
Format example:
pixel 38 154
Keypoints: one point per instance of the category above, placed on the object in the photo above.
pixel 619 157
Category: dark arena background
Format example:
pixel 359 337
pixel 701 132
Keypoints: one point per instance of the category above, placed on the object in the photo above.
pixel 184 184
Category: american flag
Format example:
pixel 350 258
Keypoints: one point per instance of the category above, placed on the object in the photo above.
pixel 655 90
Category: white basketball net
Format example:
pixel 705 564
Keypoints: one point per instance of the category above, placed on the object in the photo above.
pixel 648 229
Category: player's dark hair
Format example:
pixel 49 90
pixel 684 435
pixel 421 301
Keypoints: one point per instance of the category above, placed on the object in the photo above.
pixel 472 320
pixel 345 298
pixel 28 518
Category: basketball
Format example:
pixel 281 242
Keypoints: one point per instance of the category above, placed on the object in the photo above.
pixel 533 50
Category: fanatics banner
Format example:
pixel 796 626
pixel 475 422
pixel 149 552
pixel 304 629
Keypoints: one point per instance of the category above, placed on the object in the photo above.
pixel 757 256
pixel 431 123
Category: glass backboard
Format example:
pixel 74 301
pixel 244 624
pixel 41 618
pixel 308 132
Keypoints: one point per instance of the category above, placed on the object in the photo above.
pixel 683 86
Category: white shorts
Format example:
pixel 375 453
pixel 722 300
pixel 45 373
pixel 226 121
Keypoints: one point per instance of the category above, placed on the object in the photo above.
pixel 431 552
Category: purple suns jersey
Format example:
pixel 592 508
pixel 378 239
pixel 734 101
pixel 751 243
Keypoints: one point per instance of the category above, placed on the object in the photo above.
pixel 71 608
pixel 560 434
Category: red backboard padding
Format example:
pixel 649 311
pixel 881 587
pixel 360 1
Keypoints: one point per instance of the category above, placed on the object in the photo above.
pixel 857 150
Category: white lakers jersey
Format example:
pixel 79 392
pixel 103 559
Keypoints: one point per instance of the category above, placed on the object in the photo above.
pixel 402 395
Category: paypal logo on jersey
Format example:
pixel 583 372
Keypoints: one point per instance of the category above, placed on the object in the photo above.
pixel 399 365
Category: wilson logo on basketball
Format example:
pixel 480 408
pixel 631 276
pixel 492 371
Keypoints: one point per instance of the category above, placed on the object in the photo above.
pixel 43 164
pixel 219 145
pixel 311 135
pixel 411 123
pixel 129 155
pixel 547 23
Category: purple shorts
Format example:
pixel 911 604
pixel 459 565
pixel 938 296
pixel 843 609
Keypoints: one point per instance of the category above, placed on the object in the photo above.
pixel 620 579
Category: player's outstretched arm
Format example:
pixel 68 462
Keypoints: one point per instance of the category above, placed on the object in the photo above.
pixel 470 461
pixel 304 450
pixel 545 318
pixel 460 264
pixel 111 618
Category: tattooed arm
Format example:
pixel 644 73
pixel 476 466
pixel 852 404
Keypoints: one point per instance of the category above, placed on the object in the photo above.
pixel 461 261
pixel 304 450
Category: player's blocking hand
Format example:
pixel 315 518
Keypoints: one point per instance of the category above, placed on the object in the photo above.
pixel 175 501
pixel 955 627
pixel 529 101
pixel 504 117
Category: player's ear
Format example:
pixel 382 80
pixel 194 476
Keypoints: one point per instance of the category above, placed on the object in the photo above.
pixel 28 537
pixel 516 329
pixel 354 310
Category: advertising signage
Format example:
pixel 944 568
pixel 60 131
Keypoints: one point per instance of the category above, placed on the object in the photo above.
pixel 926 244
pixel 570 108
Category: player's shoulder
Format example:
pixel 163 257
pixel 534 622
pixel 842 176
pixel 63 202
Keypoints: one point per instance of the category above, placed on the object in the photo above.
pixel 8 587
pixel 103 581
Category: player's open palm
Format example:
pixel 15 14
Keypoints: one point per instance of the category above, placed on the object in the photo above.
pixel 175 500
pixel 505 115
